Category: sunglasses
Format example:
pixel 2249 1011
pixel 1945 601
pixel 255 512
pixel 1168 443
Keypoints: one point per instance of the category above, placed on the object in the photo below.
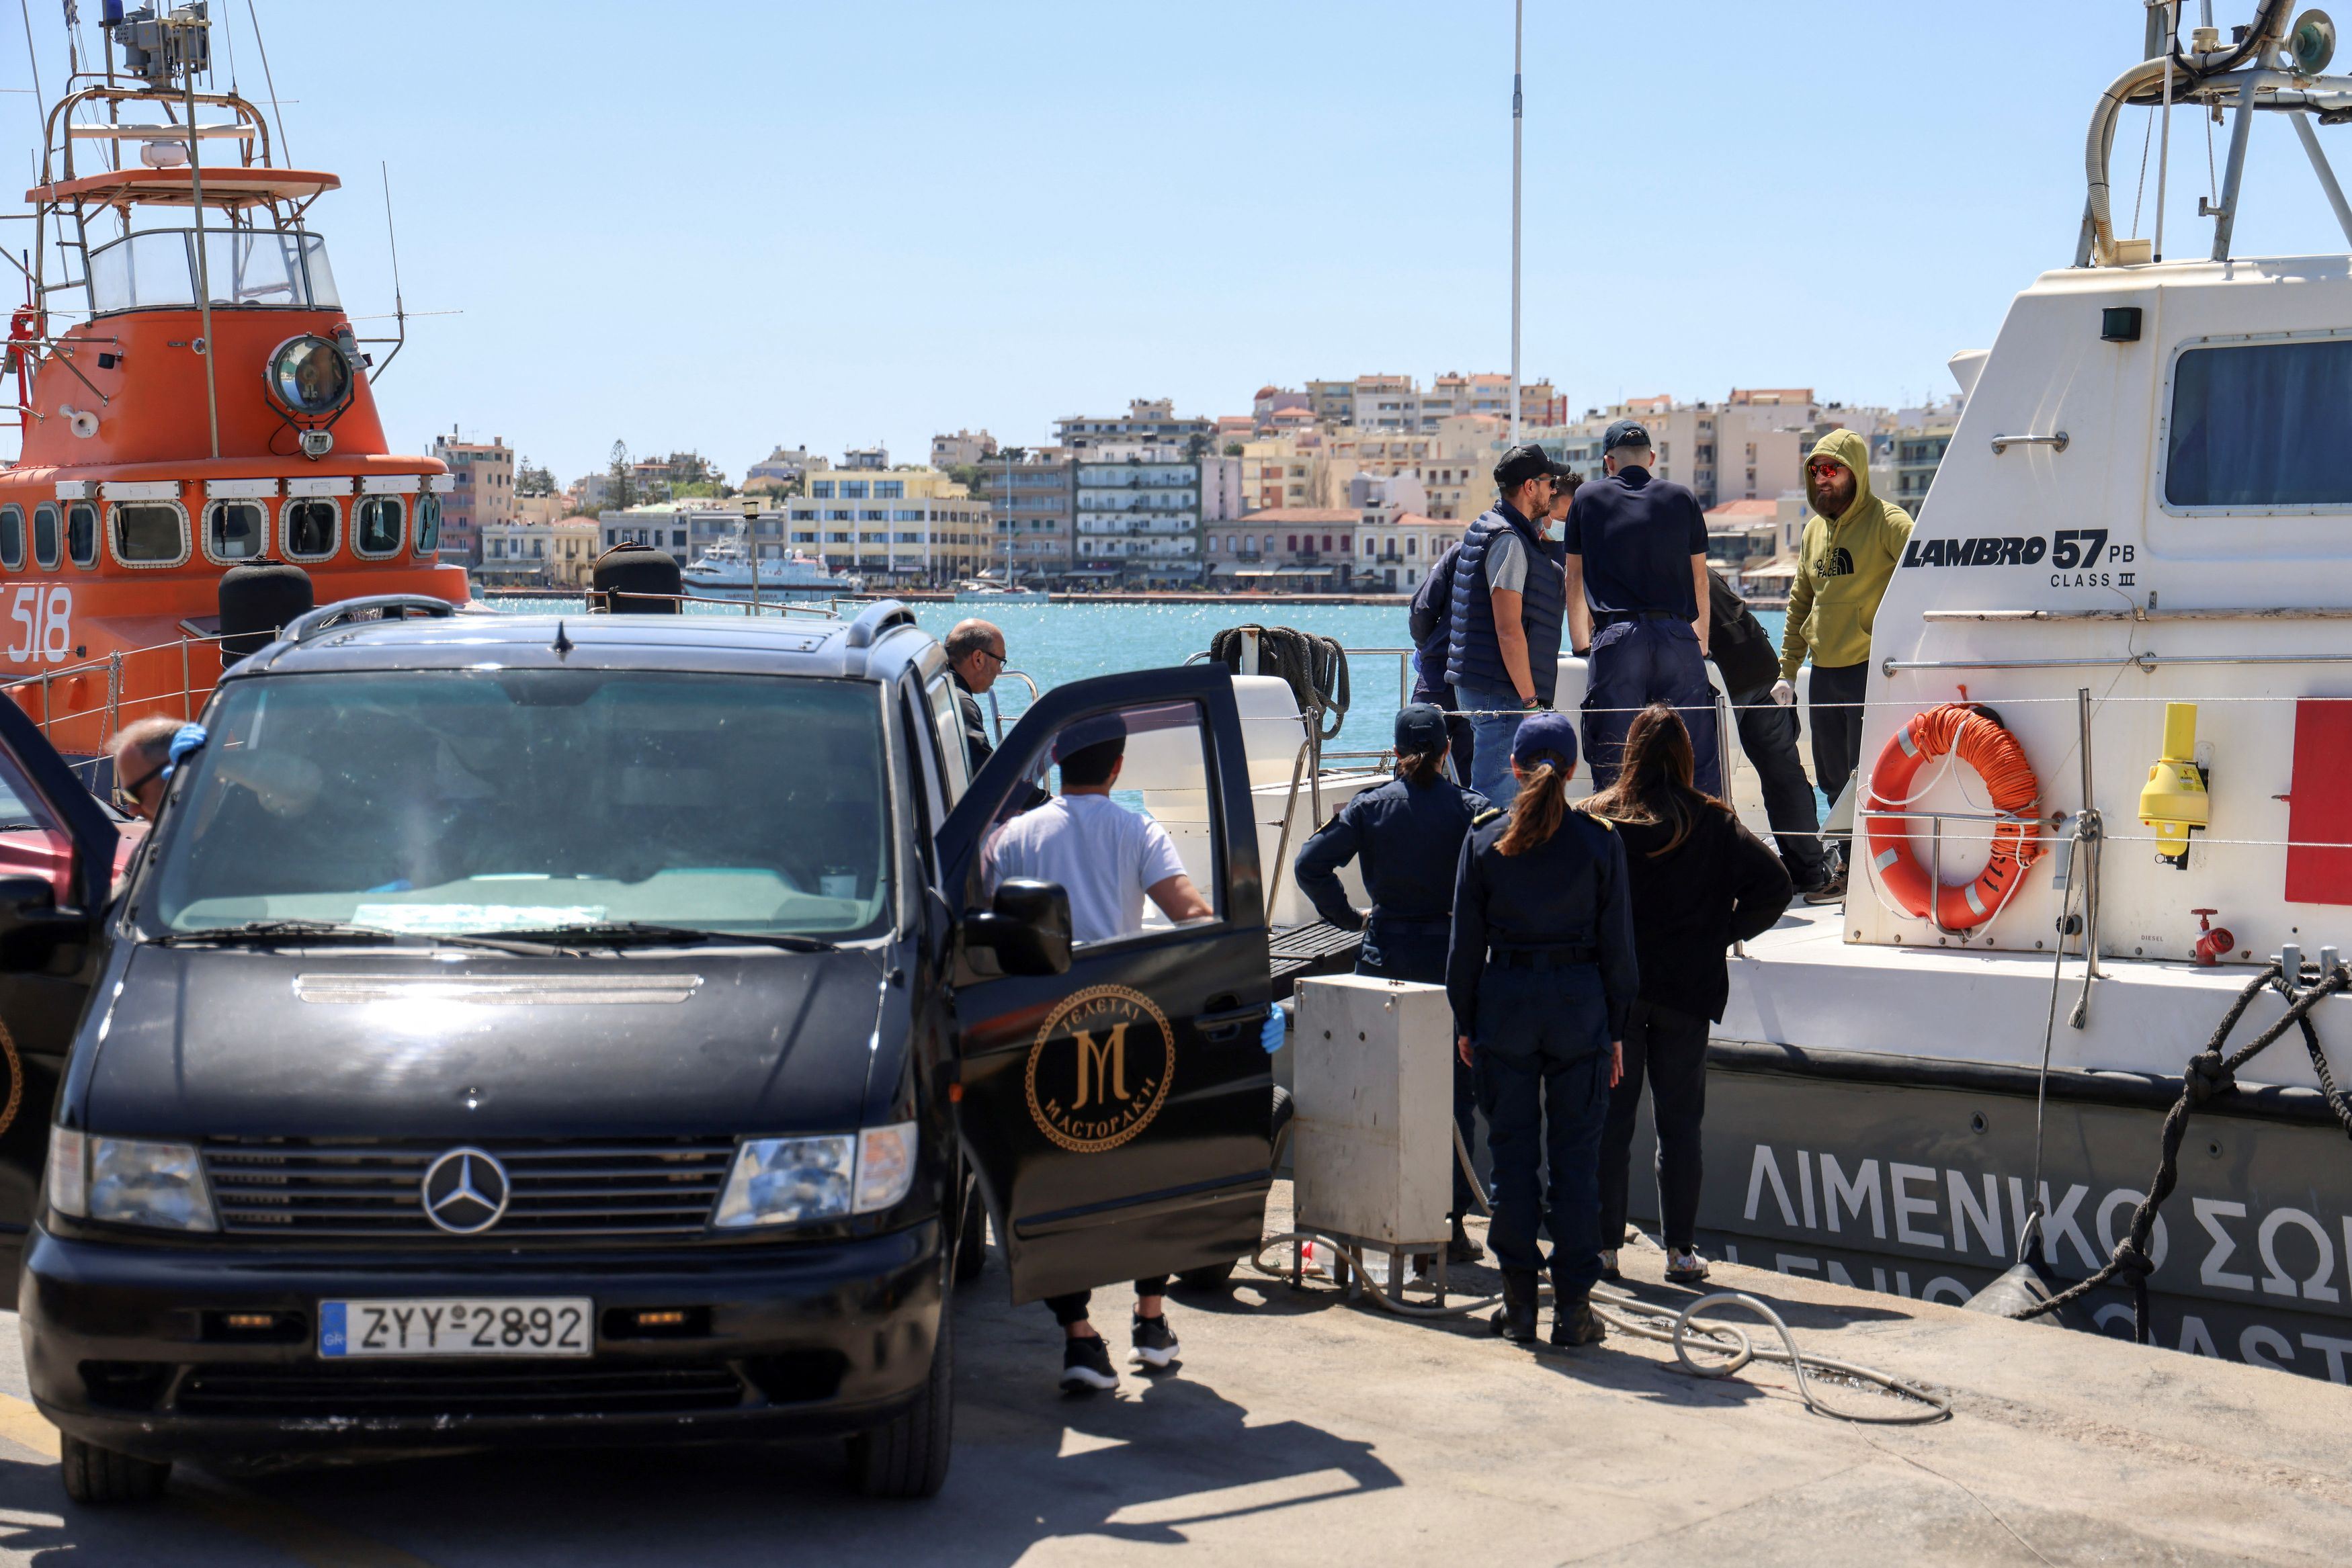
pixel 1826 470
pixel 126 795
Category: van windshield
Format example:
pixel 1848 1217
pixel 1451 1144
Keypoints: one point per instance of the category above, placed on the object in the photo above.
pixel 468 802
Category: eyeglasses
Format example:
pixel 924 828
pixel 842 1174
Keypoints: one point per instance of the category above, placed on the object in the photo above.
pixel 126 795
pixel 1826 470
pixel 993 655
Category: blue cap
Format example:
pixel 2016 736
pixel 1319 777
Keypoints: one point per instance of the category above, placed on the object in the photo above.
pixel 1420 728
pixel 1545 736
pixel 1625 432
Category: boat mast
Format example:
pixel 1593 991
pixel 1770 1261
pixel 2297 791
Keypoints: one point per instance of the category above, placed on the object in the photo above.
pixel 1518 19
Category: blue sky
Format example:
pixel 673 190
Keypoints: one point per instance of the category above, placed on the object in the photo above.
pixel 728 225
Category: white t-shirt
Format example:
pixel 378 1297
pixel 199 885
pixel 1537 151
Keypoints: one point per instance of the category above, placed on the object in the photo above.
pixel 1102 854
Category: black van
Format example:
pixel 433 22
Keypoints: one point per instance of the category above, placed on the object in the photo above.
pixel 601 1031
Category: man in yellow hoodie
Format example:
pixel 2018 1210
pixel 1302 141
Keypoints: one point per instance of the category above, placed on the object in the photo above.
pixel 1852 544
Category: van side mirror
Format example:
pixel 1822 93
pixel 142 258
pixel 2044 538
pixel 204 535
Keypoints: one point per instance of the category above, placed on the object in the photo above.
pixel 1028 928
pixel 31 925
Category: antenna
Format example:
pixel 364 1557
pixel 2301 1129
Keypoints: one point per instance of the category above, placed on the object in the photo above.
pixel 278 113
pixel 399 306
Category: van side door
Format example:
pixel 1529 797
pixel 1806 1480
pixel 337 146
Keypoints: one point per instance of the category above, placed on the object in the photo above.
pixel 56 874
pixel 1119 1113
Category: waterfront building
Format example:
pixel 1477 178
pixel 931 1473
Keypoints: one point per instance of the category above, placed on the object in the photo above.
pixel 1287 470
pixel 962 450
pixel 1034 500
pixel 1148 422
pixel 543 507
pixel 1296 549
pixel 908 526
pixel 1396 540
pixel 482 495
pixel 1918 452
pixel 1139 511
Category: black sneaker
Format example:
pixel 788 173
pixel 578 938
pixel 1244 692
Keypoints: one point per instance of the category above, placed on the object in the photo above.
pixel 1155 1344
pixel 1086 1365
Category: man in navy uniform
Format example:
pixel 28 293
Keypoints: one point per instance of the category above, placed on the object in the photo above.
pixel 1407 834
pixel 1637 596
pixel 1509 600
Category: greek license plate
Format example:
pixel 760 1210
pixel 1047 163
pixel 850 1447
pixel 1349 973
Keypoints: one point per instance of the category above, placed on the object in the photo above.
pixel 531 1325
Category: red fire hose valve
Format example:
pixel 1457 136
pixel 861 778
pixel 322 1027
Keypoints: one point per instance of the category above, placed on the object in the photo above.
pixel 2213 942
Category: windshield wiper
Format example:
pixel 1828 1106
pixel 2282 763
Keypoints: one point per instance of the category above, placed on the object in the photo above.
pixel 639 932
pixel 343 931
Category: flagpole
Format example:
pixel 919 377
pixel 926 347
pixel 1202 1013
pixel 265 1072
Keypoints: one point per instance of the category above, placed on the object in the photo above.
pixel 1518 19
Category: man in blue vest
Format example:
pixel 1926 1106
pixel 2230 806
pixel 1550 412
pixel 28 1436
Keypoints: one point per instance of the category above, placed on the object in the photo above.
pixel 1637 605
pixel 1429 620
pixel 1509 604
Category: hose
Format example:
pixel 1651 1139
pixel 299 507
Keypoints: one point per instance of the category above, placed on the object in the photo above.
pixel 1629 1314
pixel 1314 667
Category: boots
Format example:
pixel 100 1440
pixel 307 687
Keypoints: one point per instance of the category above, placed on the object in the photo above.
pixel 1461 1248
pixel 1573 1321
pixel 1516 1319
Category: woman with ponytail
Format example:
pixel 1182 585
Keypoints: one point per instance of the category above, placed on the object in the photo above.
pixel 1407 835
pixel 1540 975
pixel 1700 881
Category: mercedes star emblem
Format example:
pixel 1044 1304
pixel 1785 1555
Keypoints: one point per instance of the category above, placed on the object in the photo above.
pixel 465 1192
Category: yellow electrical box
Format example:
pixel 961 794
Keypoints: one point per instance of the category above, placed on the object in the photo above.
pixel 2173 801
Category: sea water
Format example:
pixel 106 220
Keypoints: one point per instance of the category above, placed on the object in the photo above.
pixel 1055 643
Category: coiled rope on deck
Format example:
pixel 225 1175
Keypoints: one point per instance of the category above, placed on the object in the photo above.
pixel 2210 1075
pixel 1314 667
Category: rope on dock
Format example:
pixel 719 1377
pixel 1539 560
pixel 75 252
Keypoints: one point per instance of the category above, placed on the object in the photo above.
pixel 2210 1075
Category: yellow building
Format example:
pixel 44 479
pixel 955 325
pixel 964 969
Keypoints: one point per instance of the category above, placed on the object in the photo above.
pixel 1285 471
pixel 908 524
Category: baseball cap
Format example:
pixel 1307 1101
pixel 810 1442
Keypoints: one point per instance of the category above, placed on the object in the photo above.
pixel 1545 736
pixel 1521 463
pixel 1420 728
pixel 1626 432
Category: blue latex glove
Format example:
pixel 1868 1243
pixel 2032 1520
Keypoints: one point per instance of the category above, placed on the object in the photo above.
pixel 1270 1038
pixel 186 741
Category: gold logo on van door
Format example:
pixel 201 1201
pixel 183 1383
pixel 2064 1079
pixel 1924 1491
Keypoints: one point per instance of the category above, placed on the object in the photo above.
pixel 1099 1069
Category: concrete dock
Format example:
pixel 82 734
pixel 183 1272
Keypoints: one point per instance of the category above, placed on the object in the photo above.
pixel 1301 1428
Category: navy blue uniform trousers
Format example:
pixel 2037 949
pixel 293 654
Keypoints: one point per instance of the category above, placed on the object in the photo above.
pixel 1543 1082
pixel 1632 665
pixel 1415 950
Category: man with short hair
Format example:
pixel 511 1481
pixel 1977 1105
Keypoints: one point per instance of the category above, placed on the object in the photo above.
pixel 1428 622
pixel 1637 596
pixel 1852 543
pixel 141 754
pixel 975 650
pixel 1108 860
pixel 1503 658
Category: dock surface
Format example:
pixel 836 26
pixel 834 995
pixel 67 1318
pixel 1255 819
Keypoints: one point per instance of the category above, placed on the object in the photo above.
pixel 1300 1428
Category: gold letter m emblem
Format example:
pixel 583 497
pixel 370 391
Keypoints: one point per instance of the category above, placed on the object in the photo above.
pixel 1109 1062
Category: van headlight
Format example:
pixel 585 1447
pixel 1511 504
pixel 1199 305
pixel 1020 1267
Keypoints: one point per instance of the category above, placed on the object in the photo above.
pixel 133 1182
pixel 789 1181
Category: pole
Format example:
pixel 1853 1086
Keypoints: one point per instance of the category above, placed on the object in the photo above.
pixel 1518 19
pixel 2233 172
pixel 2164 149
pixel 203 266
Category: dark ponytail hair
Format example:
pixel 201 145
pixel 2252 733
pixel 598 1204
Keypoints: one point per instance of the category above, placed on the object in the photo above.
pixel 1536 814
pixel 1420 768
pixel 1655 779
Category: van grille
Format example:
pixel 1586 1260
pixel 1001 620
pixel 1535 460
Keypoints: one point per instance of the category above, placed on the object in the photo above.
pixel 642 1188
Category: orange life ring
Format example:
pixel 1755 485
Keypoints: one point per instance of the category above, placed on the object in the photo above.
pixel 1976 738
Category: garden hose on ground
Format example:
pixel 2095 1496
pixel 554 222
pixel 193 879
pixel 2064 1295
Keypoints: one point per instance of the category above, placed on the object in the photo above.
pixel 1629 1314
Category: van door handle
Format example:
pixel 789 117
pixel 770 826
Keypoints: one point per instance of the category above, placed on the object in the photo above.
pixel 1228 1025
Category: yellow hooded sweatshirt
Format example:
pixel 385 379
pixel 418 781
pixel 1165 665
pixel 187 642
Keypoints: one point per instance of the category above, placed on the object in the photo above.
pixel 1842 566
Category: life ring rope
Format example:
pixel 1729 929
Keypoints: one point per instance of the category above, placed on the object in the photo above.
pixel 1953 733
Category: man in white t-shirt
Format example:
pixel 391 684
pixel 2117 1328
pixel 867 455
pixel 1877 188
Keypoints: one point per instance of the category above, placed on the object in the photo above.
pixel 1109 860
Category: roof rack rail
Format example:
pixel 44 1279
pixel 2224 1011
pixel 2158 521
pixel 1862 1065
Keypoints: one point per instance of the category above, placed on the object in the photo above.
pixel 877 619
pixel 387 607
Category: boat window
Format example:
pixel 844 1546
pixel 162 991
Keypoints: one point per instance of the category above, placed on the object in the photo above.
pixel 428 524
pixel 375 526
pixel 480 800
pixel 45 537
pixel 250 267
pixel 2262 425
pixel 149 533
pixel 148 268
pixel 310 527
pixel 81 533
pixel 236 531
pixel 11 537
pixel 321 276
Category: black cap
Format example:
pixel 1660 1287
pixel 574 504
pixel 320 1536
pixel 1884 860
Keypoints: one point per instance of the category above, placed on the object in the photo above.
pixel 1562 473
pixel 1626 432
pixel 1420 728
pixel 1521 463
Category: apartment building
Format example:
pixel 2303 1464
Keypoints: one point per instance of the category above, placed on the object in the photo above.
pixel 531 554
pixel 1138 512
pixel 1291 470
pixel 1290 548
pixel 1918 452
pixel 483 495
pixel 1148 422
pixel 1393 403
pixel 1034 502
pixel 782 468
pixel 1398 547
pixel 907 526
pixel 963 449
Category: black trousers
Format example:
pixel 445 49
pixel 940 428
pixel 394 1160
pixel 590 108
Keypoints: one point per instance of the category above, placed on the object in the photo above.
pixel 1543 1082
pixel 1459 735
pixel 1669 1050
pixel 1072 1308
pixel 1769 734
pixel 1837 730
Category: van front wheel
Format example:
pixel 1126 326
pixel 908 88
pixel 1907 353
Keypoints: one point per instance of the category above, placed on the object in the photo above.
pixel 100 1477
pixel 906 1457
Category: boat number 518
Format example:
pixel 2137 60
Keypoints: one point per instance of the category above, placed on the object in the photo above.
pixel 44 618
